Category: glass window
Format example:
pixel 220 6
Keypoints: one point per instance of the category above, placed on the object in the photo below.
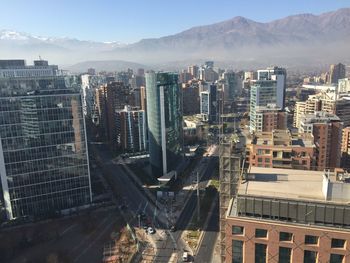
pixel 285 236
pixel 260 253
pixel 310 256
pixel 237 251
pixel 237 230
pixel 311 240
pixel 267 160
pixel 260 233
pixel 259 160
pixel 336 258
pixel 267 151
pixel 260 151
pixel 338 243
pixel 284 254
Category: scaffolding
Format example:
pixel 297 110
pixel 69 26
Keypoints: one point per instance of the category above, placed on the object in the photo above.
pixel 231 155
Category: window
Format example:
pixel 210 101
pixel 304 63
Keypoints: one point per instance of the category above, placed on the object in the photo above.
pixel 336 258
pixel 260 253
pixel 259 160
pixel 267 160
pixel 338 243
pixel 284 255
pixel 267 151
pixel 284 236
pixel 262 233
pixel 237 230
pixel 237 251
pixel 260 151
pixel 310 256
pixel 311 240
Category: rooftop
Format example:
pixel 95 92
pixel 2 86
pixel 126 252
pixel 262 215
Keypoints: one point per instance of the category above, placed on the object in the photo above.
pixel 284 183
pixel 284 138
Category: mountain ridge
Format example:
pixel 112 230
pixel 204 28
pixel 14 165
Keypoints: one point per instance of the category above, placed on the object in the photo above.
pixel 239 38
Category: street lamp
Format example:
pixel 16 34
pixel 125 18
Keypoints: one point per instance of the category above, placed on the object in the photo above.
pixel 198 201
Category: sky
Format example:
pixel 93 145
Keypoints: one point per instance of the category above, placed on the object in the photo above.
pixel 129 21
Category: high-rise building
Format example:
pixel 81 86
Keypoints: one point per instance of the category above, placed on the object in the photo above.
pixel 209 64
pixel 336 72
pixel 269 118
pixel 44 164
pixel 262 93
pixel 280 76
pixel 143 98
pixel 131 130
pixel 345 148
pixel 184 77
pixel 285 215
pixel 209 104
pixel 190 99
pixel 331 102
pixel 89 84
pixel 109 98
pixel 327 131
pixel 194 70
pixel 164 118
pixel 232 85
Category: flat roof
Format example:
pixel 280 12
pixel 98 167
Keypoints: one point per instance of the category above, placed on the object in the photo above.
pixel 283 183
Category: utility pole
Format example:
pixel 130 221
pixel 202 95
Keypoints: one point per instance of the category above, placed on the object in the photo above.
pixel 198 201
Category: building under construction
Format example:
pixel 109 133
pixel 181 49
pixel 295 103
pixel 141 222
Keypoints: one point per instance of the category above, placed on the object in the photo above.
pixel 231 155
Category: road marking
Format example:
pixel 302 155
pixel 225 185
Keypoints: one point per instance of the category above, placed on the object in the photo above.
pixel 144 209
pixel 94 241
pixel 67 229
pixel 88 236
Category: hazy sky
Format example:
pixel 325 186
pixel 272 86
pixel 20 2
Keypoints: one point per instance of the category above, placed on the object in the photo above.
pixel 131 20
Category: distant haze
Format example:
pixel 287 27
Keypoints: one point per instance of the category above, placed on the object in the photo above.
pixel 296 41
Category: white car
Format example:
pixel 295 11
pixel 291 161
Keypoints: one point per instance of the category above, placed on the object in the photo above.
pixel 151 230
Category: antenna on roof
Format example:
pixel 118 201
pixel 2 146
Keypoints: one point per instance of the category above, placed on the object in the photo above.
pixel 40 58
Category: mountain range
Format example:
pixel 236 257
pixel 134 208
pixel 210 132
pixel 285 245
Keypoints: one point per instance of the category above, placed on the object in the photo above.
pixel 298 40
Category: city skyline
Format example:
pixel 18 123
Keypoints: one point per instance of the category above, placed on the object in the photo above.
pixel 130 24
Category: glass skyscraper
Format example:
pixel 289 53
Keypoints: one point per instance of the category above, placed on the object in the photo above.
pixel 164 117
pixel 43 152
pixel 262 93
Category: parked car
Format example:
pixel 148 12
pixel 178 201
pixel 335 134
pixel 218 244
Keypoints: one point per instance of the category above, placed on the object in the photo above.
pixel 173 228
pixel 151 230
pixel 185 257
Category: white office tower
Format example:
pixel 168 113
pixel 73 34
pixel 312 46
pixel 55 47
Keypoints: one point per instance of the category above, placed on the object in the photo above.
pixel 279 75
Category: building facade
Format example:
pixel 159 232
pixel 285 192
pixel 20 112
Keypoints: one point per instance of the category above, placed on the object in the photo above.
pixel 327 131
pixel 336 72
pixel 279 75
pixel 110 97
pixel 209 104
pixel 299 216
pixel 44 164
pixel 269 118
pixel 281 149
pixel 164 118
pixel 190 99
pixel 131 130
pixel 262 93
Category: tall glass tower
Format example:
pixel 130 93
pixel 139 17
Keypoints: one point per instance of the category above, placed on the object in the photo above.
pixel 164 117
pixel 43 152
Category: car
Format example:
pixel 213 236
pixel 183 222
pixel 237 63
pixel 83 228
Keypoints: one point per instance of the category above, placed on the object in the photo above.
pixel 173 228
pixel 185 257
pixel 151 230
